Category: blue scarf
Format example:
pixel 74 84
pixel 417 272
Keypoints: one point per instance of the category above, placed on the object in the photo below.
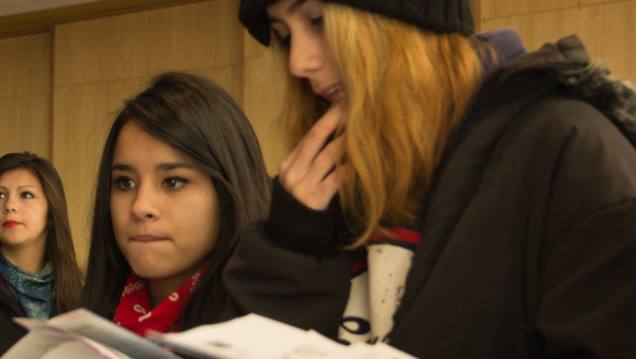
pixel 35 292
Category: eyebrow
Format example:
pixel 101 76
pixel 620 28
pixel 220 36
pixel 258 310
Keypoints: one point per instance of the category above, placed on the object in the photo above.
pixel 162 166
pixel 19 187
pixel 293 7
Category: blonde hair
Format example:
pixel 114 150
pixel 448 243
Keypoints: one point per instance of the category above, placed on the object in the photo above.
pixel 405 91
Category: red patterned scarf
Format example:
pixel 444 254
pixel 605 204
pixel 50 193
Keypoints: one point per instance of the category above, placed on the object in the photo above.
pixel 134 313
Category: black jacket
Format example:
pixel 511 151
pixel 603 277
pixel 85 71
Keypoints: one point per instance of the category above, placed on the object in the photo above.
pixel 528 245
pixel 9 308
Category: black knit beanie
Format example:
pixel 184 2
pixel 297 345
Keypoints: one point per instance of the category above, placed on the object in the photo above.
pixel 442 16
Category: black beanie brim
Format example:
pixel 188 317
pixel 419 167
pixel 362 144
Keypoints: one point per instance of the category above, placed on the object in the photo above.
pixel 442 16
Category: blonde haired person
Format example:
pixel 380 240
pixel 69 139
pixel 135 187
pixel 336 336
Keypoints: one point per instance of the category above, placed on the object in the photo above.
pixel 466 207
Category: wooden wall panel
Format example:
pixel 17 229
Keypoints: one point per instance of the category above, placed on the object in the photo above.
pixel 38 21
pixel 228 77
pixel 25 125
pixel 25 64
pixel 591 2
pixel 606 28
pixel 609 33
pixel 193 36
pixel 263 99
pixel 499 8
pixel 539 28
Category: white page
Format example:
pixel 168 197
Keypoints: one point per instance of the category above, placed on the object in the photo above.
pixel 53 343
pixel 251 337
pixel 385 351
pixel 372 351
pixel 92 326
pixel 77 349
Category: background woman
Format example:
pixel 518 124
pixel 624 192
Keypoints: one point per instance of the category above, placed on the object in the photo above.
pixel 39 276
pixel 464 208
pixel 181 172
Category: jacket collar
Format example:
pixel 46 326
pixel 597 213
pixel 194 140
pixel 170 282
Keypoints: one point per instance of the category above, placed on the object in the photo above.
pixel 569 64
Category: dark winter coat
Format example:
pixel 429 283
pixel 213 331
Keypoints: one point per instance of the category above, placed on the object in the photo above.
pixel 528 239
pixel 9 308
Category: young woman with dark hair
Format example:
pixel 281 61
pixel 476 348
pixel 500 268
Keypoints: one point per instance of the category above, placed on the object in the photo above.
pixel 180 174
pixel 39 276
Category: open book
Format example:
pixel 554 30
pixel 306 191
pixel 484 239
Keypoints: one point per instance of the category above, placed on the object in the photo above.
pixel 83 334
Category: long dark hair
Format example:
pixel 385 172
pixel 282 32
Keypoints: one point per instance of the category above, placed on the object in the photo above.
pixel 197 117
pixel 59 243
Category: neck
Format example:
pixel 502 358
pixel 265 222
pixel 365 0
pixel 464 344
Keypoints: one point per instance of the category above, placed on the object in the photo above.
pixel 160 289
pixel 30 259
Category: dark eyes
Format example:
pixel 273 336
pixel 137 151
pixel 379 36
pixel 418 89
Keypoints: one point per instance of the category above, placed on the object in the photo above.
pixel 316 22
pixel 26 194
pixel 175 182
pixel 284 41
pixel 125 183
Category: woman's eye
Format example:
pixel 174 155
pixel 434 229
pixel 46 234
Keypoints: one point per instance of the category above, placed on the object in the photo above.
pixel 2 196
pixel 285 41
pixel 317 21
pixel 175 182
pixel 26 195
pixel 283 36
pixel 124 183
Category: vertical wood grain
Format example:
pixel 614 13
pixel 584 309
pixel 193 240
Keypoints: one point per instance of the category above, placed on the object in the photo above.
pixel 194 36
pixel 609 32
pixel 264 91
pixel 607 29
pixel 25 120
pixel 24 125
pixel 501 8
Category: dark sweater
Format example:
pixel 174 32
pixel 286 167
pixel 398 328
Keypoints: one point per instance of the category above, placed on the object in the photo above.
pixel 9 308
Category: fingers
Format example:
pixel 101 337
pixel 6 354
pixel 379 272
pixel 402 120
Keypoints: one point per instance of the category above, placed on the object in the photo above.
pixel 320 197
pixel 330 185
pixel 311 144
pixel 309 173
pixel 322 180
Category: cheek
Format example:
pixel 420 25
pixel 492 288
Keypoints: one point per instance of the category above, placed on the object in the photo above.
pixel 117 212
pixel 205 218
pixel 40 216
pixel 212 233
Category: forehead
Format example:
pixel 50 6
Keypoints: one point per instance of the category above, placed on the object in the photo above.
pixel 20 177
pixel 134 144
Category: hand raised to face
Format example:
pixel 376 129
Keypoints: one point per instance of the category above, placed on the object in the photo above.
pixel 309 172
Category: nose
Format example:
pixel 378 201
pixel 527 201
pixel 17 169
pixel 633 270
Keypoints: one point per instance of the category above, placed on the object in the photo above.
pixel 306 54
pixel 144 206
pixel 9 205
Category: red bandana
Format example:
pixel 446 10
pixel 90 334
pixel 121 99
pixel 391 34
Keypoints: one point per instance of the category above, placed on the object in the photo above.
pixel 134 313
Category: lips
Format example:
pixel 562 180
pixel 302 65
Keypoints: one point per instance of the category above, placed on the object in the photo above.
pixel 333 94
pixel 10 224
pixel 146 238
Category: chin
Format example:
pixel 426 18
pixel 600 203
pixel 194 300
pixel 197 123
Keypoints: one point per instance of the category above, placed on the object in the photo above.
pixel 146 271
